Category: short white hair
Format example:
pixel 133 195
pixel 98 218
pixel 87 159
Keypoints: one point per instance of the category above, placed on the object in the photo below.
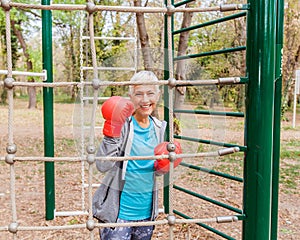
pixel 143 76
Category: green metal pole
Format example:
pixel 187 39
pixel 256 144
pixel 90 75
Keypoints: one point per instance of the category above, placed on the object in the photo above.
pixel 261 23
pixel 166 103
pixel 166 111
pixel 48 111
pixel 277 118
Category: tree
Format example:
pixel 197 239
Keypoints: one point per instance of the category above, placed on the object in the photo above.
pixel 16 26
pixel 14 50
pixel 182 50
pixel 143 37
pixel 291 51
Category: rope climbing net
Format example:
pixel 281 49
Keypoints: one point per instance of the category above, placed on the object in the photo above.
pixel 89 156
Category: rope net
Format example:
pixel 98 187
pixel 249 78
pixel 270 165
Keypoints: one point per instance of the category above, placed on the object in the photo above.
pixel 87 157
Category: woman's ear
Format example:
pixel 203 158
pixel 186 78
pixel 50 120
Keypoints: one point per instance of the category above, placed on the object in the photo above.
pixel 158 95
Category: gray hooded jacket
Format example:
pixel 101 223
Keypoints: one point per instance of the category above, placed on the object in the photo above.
pixel 106 200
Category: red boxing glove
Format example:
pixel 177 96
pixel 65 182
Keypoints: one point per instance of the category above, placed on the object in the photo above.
pixel 163 165
pixel 115 110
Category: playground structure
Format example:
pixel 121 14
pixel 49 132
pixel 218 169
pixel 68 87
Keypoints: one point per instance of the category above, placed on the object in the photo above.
pixel 263 91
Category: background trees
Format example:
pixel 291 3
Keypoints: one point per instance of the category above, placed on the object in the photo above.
pixel 26 47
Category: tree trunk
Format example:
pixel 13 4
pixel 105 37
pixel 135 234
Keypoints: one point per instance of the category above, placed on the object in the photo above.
pixel 180 69
pixel 145 44
pixel 74 89
pixel 144 37
pixel 29 66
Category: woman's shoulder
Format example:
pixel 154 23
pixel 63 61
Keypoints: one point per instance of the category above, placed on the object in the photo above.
pixel 157 122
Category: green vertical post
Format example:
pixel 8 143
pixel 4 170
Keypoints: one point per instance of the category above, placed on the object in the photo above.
pixel 277 118
pixel 166 104
pixel 261 24
pixel 166 111
pixel 48 111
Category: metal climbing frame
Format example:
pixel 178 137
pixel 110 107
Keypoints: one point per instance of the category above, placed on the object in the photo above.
pixel 263 91
pixel 262 118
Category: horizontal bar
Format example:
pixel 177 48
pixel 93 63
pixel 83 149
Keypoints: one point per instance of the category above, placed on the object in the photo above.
pixel 98 98
pixel 216 52
pixel 92 8
pixel 182 3
pixel 110 38
pixel 205 226
pixel 11 157
pixel 230 80
pixel 207 112
pixel 110 68
pixel 70 213
pixel 220 204
pixel 89 127
pixel 22 73
pixel 224 19
pixel 242 148
pixel 213 172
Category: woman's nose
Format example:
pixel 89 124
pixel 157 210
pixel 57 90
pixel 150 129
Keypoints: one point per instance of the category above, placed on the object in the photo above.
pixel 145 97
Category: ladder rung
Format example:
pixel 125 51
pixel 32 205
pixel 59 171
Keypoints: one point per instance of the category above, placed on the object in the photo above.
pixel 111 38
pixel 111 68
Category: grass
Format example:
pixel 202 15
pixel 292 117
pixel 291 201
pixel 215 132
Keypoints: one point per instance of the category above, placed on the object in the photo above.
pixel 289 176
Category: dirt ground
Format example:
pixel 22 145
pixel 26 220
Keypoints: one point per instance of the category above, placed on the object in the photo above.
pixel 30 200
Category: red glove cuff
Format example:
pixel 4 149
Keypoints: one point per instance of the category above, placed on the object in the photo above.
pixel 112 130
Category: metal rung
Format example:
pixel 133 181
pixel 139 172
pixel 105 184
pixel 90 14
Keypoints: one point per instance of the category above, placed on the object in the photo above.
pixel 242 148
pixel 22 73
pixel 111 38
pixel 110 68
pixel 93 185
pixel 210 200
pixel 213 113
pixel 227 219
pixel 220 20
pixel 182 3
pixel 91 98
pixel 216 52
pixel 211 171
pixel 89 127
pixel 206 226
pixel 70 213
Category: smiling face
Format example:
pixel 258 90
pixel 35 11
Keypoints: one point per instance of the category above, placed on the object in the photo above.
pixel 144 98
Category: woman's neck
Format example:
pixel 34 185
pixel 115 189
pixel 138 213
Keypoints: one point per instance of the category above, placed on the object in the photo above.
pixel 142 121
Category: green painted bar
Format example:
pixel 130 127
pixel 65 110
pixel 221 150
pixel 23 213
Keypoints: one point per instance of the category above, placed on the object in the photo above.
pixel 220 204
pixel 211 171
pixel 219 20
pixel 48 112
pixel 277 119
pixel 216 52
pixel 261 23
pixel 206 112
pixel 182 3
pixel 206 226
pixel 166 195
pixel 242 148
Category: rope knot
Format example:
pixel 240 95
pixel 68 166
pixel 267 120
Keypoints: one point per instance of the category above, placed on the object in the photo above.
pixel 13 227
pixel 90 7
pixel 10 159
pixel 11 148
pixel 5 5
pixel 172 82
pixel 9 82
pixel 170 10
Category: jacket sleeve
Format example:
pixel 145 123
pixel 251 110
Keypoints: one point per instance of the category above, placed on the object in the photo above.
pixel 109 147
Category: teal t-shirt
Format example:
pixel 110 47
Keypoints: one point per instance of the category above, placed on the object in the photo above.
pixel 136 197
